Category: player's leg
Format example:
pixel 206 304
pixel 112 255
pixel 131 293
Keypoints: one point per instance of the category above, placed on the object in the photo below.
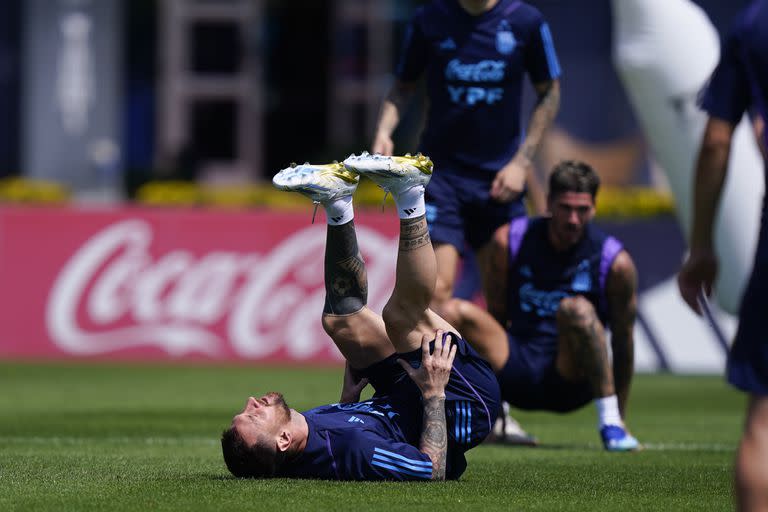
pixel 481 330
pixel 407 315
pixel 357 331
pixel 447 257
pixel 583 355
pixel 752 458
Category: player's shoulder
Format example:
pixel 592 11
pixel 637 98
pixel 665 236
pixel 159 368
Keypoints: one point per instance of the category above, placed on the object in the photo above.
pixel 522 13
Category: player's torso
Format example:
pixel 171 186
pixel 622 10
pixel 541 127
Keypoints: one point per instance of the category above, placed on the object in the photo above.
pixel 539 278
pixel 474 63
pixel 350 423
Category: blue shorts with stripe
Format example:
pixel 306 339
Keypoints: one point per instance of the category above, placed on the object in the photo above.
pixel 748 358
pixel 460 211
pixel 471 405
pixel 530 380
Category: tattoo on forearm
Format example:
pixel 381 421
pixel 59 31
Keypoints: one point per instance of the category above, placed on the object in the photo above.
pixel 434 435
pixel 346 282
pixel 414 233
pixel 542 116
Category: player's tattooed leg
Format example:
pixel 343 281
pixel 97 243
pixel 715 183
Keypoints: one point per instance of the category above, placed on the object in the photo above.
pixel 579 324
pixel 346 282
pixel 414 233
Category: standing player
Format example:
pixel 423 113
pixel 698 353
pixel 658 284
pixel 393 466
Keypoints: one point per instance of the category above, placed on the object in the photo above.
pixel 475 54
pixel 739 83
pixel 562 282
pixel 415 428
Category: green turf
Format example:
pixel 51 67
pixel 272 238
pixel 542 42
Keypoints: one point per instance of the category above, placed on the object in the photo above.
pixel 120 437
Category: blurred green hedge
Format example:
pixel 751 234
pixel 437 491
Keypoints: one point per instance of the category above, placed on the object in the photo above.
pixel 625 202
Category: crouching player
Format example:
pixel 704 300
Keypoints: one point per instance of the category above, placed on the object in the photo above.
pixel 435 398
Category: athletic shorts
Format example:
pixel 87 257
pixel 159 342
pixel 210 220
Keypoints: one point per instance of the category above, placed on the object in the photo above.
pixel 748 358
pixel 530 379
pixel 460 210
pixel 472 398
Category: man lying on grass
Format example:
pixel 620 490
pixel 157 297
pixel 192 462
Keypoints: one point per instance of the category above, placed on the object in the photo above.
pixel 433 400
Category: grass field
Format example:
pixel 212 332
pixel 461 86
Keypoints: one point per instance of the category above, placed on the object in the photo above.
pixel 122 437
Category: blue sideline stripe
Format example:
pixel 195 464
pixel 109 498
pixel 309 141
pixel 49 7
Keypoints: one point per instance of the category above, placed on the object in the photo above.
pixel 549 50
pixel 427 476
pixel 456 421
pixel 397 456
pixel 464 422
pixel 379 460
pixel 469 422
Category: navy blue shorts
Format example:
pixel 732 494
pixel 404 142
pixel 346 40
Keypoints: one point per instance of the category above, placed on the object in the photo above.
pixel 472 397
pixel 530 379
pixel 460 210
pixel 748 358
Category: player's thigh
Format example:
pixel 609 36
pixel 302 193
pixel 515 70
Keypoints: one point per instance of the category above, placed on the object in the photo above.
pixel 407 328
pixel 361 337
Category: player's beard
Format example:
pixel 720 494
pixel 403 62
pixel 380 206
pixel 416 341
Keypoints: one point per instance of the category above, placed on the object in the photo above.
pixel 276 399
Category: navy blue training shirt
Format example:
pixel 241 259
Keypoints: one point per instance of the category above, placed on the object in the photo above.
pixel 540 277
pixel 474 73
pixel 361 441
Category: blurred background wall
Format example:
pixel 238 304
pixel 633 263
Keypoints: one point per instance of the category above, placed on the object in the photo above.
pixel 103 95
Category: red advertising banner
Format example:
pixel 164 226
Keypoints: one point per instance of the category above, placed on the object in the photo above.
pixel 132 283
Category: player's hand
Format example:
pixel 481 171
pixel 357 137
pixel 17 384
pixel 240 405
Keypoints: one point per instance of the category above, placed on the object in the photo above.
pixel 509 182
pixel 383 145
pixel 435 370
pixel 698 271
pixel 352 387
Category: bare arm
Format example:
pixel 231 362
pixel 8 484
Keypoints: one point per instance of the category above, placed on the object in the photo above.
pixel 431 378
pixel 621 292
pixel 511 178
pixel 496 288
pixel 392 107
pixel 700 269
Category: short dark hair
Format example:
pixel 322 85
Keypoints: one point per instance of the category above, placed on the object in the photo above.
pixel 258 461
pixel 573 176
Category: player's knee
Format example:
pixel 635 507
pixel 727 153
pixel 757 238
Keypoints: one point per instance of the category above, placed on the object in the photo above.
pixel 337 327
pixel 452 311
pixel 443 293
pixel 575 313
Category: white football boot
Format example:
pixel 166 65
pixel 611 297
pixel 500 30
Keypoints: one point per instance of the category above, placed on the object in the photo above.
pixel 392 173
pixel 321 183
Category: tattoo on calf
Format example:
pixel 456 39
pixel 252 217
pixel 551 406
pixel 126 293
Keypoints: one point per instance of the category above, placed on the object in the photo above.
pixel 346 282
pixel 414 233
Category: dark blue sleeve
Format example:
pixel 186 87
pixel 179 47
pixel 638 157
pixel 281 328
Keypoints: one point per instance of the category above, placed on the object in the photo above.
pixel 413 57
pixel 727 95
pixel 366 455
pixel 540 56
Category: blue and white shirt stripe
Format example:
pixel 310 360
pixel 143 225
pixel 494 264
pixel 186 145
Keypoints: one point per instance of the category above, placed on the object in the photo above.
pixel 399 464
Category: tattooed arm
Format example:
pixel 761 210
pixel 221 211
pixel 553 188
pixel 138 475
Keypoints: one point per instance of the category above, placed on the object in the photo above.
pixel 621 292
pixel 389 117
pixel 431 378
pixel 510 180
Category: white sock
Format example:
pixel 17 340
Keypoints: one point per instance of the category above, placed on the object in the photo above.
pixel 410 203
pixel 339 211
pixel 608 411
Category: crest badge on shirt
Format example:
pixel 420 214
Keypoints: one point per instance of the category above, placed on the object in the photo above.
pixel 582 281
pixel 505 39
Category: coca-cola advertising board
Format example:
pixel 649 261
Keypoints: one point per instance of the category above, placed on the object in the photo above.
pixel 130 283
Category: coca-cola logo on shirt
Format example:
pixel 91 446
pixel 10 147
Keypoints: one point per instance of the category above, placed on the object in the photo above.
pixel 115 292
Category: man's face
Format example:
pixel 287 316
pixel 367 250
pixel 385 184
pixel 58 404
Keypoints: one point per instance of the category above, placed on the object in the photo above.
pixel 261 416
pixel 571 212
